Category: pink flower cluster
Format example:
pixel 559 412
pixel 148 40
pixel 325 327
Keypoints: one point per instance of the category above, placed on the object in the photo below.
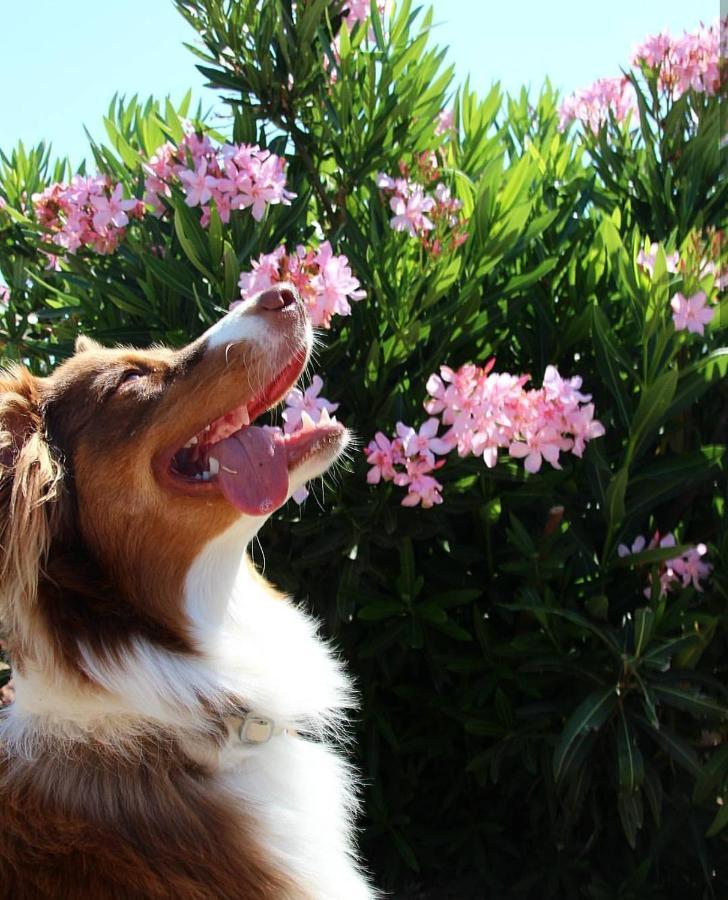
pixel 408 460
pixel 483 412
pixel 593 105
pixel 690 62
pixel 4 295
pixel 433 218
pixel 680 571
pixel 89 212
pixel 324 280
pixel 232 176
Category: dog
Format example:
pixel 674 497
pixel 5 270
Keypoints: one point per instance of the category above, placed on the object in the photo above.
pixel 177 725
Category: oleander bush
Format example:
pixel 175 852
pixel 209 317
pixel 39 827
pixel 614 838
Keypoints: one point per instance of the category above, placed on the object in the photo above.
pixel 525 559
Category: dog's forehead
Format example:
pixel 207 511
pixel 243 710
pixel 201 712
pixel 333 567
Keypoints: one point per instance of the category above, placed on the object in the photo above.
pixel 88 369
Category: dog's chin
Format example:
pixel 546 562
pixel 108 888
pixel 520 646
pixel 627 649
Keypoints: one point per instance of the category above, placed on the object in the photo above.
pixel 321 457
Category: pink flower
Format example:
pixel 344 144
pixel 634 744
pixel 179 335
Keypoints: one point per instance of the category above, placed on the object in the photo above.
pixel 198 184
pixel 536 446
pixel 382 455
pixel 637 547
pixel 690 568
pixel 308 401
pixel 423 442
pixel 691 313
pixel 423 489
pixel 332 285
pixel 4 295
pixel 445 121
pixel 584 427
pixel 111 210
pixel 409 213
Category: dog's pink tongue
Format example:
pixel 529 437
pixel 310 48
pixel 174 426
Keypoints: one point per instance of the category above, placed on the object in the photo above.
pixel 253 472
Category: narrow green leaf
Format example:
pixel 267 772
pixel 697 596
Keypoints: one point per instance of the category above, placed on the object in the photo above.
pixel 590 715
pixel 654 402
pixel 629 759
pixel 691 701
pixel 644 622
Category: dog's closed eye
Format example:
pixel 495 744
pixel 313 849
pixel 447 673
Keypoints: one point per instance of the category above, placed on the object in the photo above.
pixel 131 375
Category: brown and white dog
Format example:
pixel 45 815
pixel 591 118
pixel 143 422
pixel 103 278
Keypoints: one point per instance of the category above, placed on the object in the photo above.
pixel 174 728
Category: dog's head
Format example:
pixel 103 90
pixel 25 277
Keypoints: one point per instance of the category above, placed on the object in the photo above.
pixel 119 468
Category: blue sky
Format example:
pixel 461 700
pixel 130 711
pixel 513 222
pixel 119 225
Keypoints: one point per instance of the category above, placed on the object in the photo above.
pixel 61 60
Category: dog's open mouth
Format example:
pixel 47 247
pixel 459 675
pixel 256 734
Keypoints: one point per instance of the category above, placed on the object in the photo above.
pixel 249 464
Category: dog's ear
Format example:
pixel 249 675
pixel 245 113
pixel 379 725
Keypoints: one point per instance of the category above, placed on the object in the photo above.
pixel 85 344
pixel 31 484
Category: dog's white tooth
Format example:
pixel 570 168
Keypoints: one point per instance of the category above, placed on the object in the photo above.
pixel 214 466
pixel 205 476
pixel 324 418
pixel 193 441
pixel 307 423
pixel 244 416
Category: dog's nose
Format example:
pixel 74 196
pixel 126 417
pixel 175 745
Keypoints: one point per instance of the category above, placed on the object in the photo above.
pixel 278 297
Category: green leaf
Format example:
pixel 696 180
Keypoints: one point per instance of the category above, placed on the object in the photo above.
pixel 697 378
pixel 590 715
pixel 447 599
pixel 611 363
pixel 652 787
pixel 629 759
pixel 644 622
pixel 675 747
pixel 631 814
pixel 650 557
pixel 215 237
pixel 616 491
pixel 691 701
pixel 190 236
pixel 385 609
pixel 654 402
pixel 231 273
pixel 669 477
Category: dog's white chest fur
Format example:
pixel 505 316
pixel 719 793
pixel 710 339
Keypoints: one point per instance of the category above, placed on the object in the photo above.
pixel 298 789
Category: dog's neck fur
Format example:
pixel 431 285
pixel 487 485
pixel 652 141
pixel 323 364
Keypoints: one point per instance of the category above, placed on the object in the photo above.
pixel 254 650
